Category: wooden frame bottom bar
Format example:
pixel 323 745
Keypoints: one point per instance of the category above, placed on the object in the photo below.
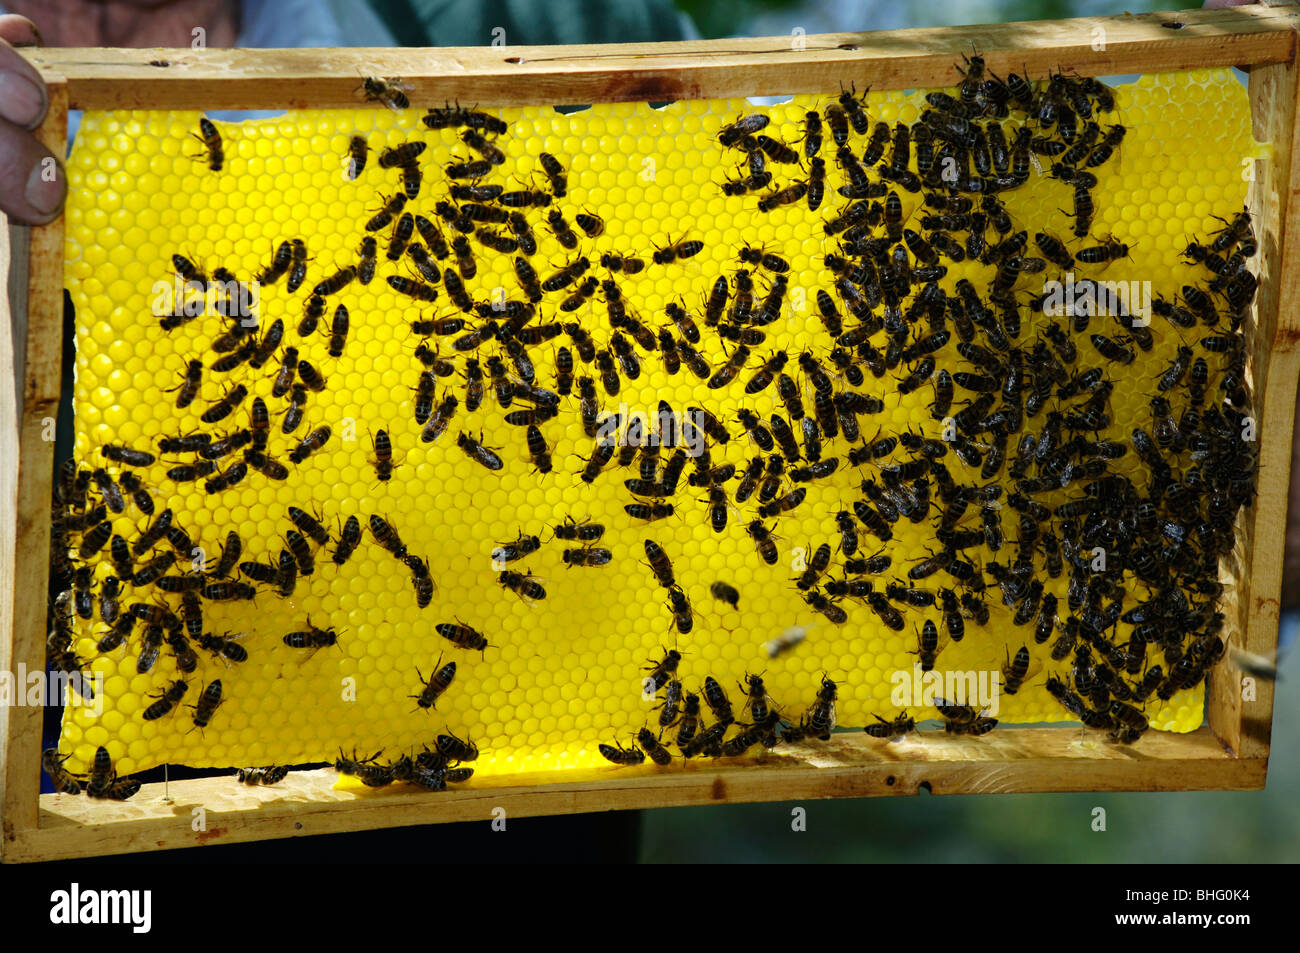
pixel 1016 760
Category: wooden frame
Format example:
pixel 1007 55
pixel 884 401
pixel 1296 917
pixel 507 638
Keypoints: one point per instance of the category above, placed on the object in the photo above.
pixel 1230 753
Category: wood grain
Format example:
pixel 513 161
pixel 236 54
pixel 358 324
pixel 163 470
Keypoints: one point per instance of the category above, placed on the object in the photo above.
pixel 564 75
pixel 1253 604
pixel 28 465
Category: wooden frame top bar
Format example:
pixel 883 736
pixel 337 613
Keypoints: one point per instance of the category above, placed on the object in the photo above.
pixel 210 79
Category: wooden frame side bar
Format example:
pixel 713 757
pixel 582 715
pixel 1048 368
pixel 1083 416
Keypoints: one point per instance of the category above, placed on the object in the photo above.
pixel 27 461
pixel 1244 726
pixel 1008 761
pixel 564 75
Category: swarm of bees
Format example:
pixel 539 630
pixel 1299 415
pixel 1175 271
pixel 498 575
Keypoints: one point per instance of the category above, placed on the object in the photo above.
pixel 682 721
pixel 431 769
pixel 1022 414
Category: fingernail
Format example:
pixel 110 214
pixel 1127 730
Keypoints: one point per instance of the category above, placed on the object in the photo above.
pixel 35 40
pixel 21 102
pixel 46 186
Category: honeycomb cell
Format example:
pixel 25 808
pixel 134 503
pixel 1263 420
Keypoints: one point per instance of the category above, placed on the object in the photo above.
pixel 560 674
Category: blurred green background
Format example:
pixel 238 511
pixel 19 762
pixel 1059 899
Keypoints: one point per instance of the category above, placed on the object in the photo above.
pixel 1193 827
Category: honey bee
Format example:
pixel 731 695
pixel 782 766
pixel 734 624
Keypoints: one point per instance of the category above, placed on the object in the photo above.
pixel 273 774
pixel 65 782
pixel 467 169
pixel 311 638
pixel 1016 670
pixel 383 458
pixel 349 539
pixel 209 701
pixel 449 117
pixel 522 584
pixel 590 223
pixel 652 747
pixel 225 406
pixel 963 719
pixel 102 775
pixel 679 250
pixel 211 139
pixel 438 683
pixel 587 556
pixel 892 730
pixel 821 716
pixel 388 90
pixel 388 211
pixel 527 278
pixel 167 700
pixel 461 635
pixel 188 388
pixel 280 263
pixel 228 478
pixel 310 444
pixel 787 196
pixel 441 418
pixel 298 266
pixel 560 228
pixel 477 452
pixel 619 755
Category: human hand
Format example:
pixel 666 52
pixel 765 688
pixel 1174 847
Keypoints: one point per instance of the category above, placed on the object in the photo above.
pixel 29 193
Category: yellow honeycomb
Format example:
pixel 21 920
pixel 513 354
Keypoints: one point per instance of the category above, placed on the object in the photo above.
pixel 563 674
